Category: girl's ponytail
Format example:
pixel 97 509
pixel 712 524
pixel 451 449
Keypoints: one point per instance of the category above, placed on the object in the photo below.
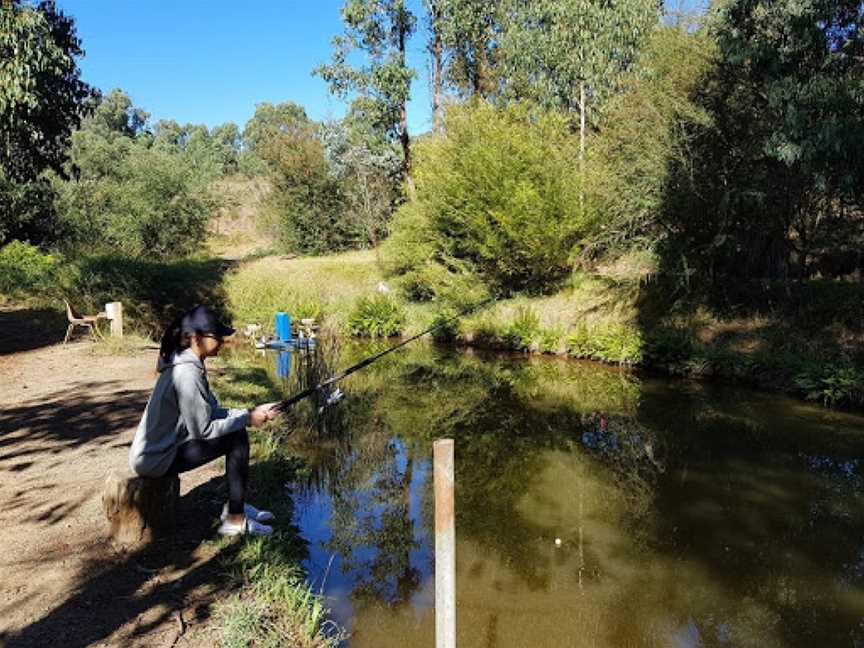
pixel 172 340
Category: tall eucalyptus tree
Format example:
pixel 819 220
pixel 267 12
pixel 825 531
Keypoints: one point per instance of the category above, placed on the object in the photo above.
pixel 380 85
pixel 462 45
pixel 571 54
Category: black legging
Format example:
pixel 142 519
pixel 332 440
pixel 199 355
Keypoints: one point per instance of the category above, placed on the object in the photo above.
pixel 234 447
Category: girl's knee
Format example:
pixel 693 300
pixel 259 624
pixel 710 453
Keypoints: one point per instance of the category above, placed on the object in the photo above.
pixel 242 438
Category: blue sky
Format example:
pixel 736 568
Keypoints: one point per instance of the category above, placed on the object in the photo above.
pixel 211 62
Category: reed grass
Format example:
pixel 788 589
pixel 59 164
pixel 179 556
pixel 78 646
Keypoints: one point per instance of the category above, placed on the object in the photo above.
pixel 275 606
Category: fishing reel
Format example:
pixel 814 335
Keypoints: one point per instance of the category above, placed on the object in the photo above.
pixel 329 400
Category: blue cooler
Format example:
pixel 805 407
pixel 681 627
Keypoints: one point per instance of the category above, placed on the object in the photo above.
pixel 283 326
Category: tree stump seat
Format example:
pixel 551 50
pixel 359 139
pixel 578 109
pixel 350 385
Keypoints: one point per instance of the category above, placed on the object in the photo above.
pixel 139 510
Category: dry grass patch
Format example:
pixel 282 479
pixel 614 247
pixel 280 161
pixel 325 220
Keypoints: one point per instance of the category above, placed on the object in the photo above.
pixel 634 266
pixel 319 287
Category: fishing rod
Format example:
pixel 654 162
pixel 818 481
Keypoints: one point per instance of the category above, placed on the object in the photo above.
pixel 288 402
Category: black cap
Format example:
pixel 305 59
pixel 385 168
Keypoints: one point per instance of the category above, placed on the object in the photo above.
pixel 201 319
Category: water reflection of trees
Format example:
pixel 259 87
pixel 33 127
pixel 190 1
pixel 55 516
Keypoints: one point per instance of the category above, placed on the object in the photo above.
pixel 507 415
pixel 375 515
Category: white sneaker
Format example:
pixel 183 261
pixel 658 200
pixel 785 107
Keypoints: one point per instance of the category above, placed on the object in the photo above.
pixel 250 512
pixel 247 527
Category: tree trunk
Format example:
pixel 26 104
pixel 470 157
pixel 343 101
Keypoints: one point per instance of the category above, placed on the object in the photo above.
pixel 407 581
pixel 437 51
pixel 582 126
pixel 139 509
pixel 405 140
pixel 582 147
pixel 437 82
pixel 403 121
pixel 483 70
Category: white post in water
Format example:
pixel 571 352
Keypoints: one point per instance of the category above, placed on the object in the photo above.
pixel 114 311
pixel 445 546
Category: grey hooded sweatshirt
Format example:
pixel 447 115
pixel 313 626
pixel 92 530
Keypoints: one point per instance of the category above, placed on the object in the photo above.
pixel 181 408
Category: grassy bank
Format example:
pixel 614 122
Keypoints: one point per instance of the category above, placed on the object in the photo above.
pixel 271 603
pixel 803 339
pixel 318 287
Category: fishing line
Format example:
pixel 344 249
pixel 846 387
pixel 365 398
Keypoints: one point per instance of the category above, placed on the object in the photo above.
pixel 288 402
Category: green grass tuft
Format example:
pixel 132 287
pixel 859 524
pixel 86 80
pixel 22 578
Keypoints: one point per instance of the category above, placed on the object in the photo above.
pixel 378 315
pixel 613 343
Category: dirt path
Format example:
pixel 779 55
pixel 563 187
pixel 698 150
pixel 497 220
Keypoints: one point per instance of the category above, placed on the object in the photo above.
pixel 67 416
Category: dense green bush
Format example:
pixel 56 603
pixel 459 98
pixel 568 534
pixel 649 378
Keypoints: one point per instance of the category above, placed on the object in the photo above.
pixel 523 330
pixel 307 211
pixel 448 326
pixel 646 132
pixel 832 385
pixel 147 205
pixel 413 255
pixel 498 191
pixel 413 243
pixel 421 285
pixel 549 340
pixel 27 212
pixel 614 343
pixel 131 194
pixel 25 270
pixel 454 284
pixel 377 316
pixel 669 346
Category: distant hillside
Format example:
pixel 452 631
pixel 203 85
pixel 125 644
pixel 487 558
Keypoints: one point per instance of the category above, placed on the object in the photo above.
pixel 239 227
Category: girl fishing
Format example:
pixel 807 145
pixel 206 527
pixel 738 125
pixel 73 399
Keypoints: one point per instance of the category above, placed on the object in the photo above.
pixel 184 427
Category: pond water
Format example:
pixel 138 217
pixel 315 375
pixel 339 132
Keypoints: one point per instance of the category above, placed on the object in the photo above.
pixel 594 507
